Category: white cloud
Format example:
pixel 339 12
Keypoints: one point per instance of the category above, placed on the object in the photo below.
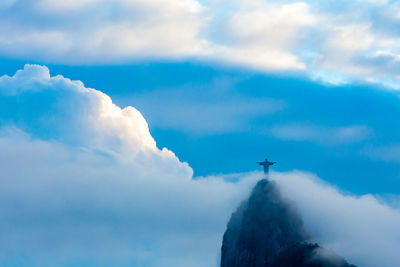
pixel 336 43
pixel 389 153
pixel 83 115
pixel 62 204
pixel 83 181
pixel 262 35
pixel 342 45
pixel 360 228
pixel 355 52
pixel 321 135
pixel 99 31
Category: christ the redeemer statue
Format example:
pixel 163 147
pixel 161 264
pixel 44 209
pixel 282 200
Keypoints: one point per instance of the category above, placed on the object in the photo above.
pixel 266 165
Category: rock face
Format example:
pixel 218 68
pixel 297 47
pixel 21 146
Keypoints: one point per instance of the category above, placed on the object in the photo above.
pixel 267 231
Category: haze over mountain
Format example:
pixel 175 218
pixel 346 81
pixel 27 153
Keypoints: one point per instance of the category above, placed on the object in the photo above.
pixel 266 230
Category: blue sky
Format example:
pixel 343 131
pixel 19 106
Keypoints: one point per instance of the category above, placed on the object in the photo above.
pixel 129 130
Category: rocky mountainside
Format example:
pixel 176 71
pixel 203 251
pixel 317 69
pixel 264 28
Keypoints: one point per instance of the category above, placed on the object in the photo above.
pixel 267 231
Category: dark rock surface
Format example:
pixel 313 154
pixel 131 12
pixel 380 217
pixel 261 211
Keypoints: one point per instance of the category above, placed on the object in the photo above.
pixel 309 255
pixel 267 231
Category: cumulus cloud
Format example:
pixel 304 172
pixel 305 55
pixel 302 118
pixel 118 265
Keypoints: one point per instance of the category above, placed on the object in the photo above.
pixel 321 135
pixel 67 111
pixel 83 181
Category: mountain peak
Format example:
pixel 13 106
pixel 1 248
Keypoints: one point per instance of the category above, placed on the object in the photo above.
pixel 266 230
